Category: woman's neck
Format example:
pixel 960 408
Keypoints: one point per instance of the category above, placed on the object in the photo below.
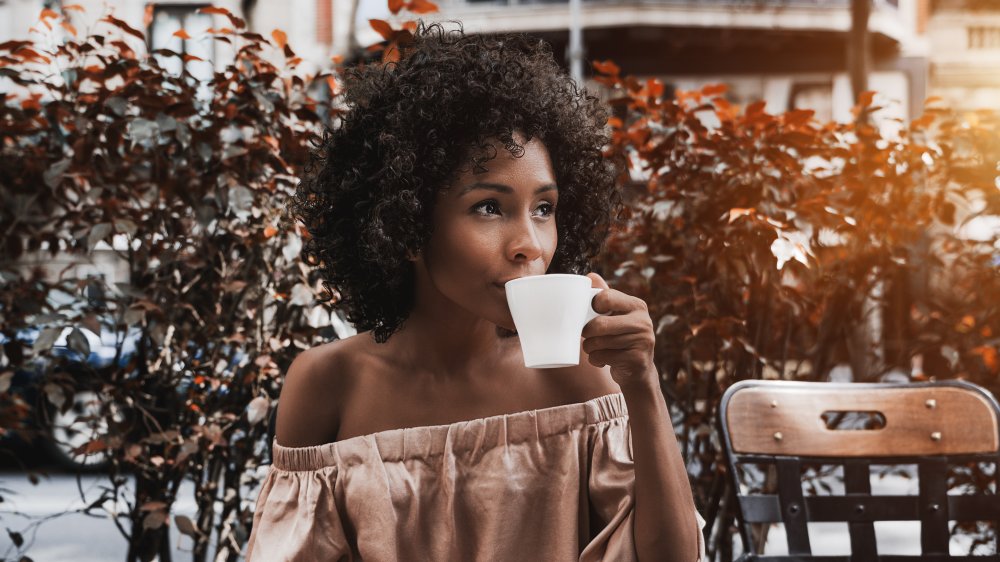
pixel 451 345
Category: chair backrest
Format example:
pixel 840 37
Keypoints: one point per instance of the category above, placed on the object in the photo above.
pixel 778 428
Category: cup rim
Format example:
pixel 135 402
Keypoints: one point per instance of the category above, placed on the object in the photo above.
pixel 547 275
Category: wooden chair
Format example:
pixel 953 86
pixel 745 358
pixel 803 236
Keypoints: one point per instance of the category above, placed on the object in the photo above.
pixel 784 426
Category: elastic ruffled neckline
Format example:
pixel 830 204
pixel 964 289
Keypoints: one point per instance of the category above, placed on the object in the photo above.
pixel 478 435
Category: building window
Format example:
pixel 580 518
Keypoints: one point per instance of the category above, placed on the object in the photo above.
pixel 170 18
pixel 984 37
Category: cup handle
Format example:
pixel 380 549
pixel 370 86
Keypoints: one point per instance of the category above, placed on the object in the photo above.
pixel 591 313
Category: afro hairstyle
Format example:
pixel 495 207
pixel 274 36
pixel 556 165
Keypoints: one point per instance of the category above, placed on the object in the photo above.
pixel 367 195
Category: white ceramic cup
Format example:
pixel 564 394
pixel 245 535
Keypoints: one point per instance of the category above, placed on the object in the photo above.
pixel 549 313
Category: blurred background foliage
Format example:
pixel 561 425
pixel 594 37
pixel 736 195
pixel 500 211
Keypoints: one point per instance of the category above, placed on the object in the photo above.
pixel 779 247
pixel 766 246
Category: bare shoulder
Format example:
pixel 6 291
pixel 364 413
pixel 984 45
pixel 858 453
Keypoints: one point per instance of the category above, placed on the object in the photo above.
pixel 313 393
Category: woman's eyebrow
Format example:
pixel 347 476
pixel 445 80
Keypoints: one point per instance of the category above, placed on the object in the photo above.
pixel 502 188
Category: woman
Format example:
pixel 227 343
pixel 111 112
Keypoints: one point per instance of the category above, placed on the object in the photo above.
pixel 469 162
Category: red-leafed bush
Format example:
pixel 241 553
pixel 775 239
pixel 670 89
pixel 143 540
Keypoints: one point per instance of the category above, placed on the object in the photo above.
pixel 774 246
pixel 184 184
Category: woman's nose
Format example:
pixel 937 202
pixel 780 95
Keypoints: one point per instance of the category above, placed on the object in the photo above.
pixel 524 243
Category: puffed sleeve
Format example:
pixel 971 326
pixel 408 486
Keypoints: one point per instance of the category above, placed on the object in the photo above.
pixel 611 486
pixel 296 518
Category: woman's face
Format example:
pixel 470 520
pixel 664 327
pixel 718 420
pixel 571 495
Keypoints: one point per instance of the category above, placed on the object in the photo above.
pixel 493 226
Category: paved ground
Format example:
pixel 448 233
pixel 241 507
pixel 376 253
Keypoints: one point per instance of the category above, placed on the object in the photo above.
pixel 76 537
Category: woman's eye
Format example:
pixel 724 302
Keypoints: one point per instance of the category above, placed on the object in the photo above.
pixel 490 204
pixel 490 207
pixel 550 209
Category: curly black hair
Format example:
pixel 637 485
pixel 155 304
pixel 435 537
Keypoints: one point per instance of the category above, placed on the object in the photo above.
pixel 367 195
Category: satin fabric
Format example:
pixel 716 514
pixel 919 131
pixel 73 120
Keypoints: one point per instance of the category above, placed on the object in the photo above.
pixel 514 487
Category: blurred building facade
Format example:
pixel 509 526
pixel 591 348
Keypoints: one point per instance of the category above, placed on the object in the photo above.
pixel 789 53
pixel 965 59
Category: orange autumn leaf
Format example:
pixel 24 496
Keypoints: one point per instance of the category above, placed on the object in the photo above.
pixel 756 107
pixel 390 54
pixel 47 13
pixel 237 22
pixel 422 7
pixel 714 90
pixel 76 7
pixel 654 88
pixel 735 214
pixel 147 15
pixel 68 27
pixel 989 356
pixel 332 83
pixel 967 323
pixel 32 55
pixel 270 231
pixel 280 38
pixel 606 67
pixel 182 34
pixel 214 10
pixel 382 27
pixel 395 6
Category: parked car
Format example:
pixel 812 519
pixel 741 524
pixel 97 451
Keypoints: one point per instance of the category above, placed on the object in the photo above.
pixel 64 431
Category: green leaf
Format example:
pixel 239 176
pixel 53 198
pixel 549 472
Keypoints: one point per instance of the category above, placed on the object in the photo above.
pixel 5 379
pixel 117 105
pixel 126 226
pixel 54 174
pixel 78 342
pixel 98 232
pixel 55 394
pixel 154 519
pixel 46 339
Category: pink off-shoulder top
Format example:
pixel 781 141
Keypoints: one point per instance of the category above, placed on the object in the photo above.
pixel 513 487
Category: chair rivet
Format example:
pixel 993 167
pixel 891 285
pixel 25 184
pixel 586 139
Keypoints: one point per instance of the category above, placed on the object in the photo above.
pixel 931 404
pixel 934 507
pixel 936 436
pixel 793 508
pixel 860 508
pixel 774 403
pixel 778 436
